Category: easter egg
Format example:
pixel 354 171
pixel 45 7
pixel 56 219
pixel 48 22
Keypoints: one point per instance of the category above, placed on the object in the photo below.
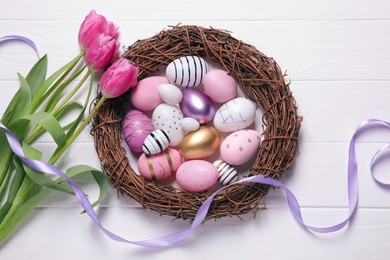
pixel 236 114
pixel 189 124
pixel 219 86
pixel 227 173
pixel 169 117
pixel 159 166
pixel 197 105
pixel 239 147
pixel 200 143
pixel 156 142
pixel 136 126
pixel 187 71
pixel 170 94
pixel 145 95
pixel 196 175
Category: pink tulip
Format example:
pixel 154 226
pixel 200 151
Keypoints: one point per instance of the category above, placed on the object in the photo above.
pixel 118 78
pixel 93 26
pixel 101 52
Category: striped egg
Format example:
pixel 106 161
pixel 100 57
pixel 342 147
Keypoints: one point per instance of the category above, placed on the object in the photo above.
pixel 227 173
pixel 159 166
pixel 156 142
pixel 187 71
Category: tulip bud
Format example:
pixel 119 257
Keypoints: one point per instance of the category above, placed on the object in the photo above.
pixel 92 26
pixel 118 78
pixel 101 52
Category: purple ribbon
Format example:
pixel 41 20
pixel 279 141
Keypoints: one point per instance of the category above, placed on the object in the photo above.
pixel 180 235
pixel 22 39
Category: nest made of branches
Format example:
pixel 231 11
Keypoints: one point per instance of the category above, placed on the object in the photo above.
pixel 259 78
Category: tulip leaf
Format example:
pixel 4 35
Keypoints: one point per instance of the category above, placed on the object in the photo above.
pixel 37 75
pixel 58 92
pixel 50 124
pixel 19 103
pixel 66 109
pixel 41 178
pixel 99 176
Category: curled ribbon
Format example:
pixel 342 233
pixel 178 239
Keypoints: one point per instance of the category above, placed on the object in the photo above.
pixel 180 235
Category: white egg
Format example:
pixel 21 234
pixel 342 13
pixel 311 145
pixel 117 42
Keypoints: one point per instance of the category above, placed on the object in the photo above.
pixel 227 173
pixel 170 94
pixel 189 124
pixel 168 117
pixel 236 114
pixel 187 71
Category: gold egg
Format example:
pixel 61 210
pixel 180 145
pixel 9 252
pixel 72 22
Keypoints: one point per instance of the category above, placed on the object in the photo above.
pixel 200 143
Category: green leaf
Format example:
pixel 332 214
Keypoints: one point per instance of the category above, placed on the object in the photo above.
pixel 37 75
pixel 69 107
pixel 19 103
pixel 39 177
pixel 53 101
pixel 50 124
pixel 100 178
pixel 57 77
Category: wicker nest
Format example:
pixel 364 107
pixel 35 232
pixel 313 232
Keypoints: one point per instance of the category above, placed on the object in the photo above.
pixel 260 79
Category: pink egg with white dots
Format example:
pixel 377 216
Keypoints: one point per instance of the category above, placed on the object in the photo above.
pixel 239 147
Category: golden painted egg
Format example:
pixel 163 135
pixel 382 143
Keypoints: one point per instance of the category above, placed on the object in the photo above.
pixel 200 143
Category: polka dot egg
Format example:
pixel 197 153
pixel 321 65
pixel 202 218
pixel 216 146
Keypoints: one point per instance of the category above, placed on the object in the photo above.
pixel 239 147
pixel 168 117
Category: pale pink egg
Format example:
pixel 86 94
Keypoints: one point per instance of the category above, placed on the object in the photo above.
pixel 159 166
pixel 196 175
pixel 145 96
pixel 136 126
pixel 219 86
pixel 239 147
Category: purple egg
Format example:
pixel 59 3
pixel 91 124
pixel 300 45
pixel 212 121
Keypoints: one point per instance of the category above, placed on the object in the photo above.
pixel 136 126
pixel 197 105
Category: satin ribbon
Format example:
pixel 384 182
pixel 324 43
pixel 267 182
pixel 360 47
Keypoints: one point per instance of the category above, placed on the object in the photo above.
pixel 22 39
pixel 180 235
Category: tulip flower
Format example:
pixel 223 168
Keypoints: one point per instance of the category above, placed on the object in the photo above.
pixel 118 78
pixel 101 52
pixel 93 26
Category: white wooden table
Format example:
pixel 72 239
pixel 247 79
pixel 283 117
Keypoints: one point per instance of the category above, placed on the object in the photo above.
pixel 337 54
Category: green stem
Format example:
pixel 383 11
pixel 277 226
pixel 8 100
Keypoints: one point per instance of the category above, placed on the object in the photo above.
pixel 37 129
pixel 61 150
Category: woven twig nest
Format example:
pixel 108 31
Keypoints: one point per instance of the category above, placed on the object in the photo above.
pixel 260 79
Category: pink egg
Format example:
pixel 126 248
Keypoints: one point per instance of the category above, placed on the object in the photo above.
pixel 145 95
pixel 136 126
pixel 159 166
pixel 219 86
pixel 239 147
pixel 196 175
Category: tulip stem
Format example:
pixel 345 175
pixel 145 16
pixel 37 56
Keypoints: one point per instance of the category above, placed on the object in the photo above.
pixel 61 150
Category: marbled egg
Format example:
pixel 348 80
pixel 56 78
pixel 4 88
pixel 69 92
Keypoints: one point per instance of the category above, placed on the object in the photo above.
pixel 170 94
pixel 200 143
pixel 197 105
pixel 156 142
pixel 136 126
pixel 145 95
pixel 236 114
pixel 219 86
pixel 196 175
pixel 159 166
pixel 189 124
pixel 227 173
pixel 239 147
pixel 169 117
pixel 187 71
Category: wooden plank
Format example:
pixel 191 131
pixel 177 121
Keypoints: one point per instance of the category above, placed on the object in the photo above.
pixel 318 50
pixel 155 10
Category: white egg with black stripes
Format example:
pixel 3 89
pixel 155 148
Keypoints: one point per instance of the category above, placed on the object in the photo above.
pixel 187 71
pixel 227 173
pixel 156 142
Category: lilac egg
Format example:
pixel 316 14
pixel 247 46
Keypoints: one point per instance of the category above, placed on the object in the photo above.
pixel 197 105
